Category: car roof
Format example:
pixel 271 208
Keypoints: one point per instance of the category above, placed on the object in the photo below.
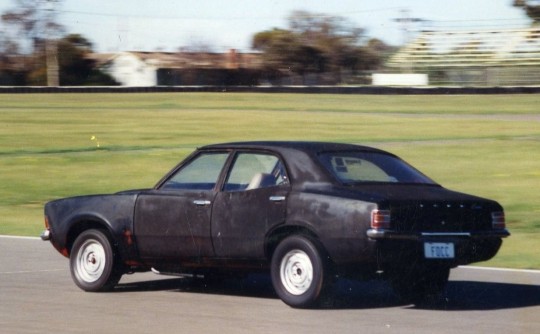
pixel 304 146
pixel 300 156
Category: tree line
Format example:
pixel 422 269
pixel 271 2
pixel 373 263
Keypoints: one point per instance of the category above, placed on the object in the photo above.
pixel 317 44
pixel 38 42
pixel 330 48
pixel 312 44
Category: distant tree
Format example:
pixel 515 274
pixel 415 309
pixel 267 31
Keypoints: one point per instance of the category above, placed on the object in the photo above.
pixel 34 20
pixel 377 52
pixel 9 49
pixel 283 50
pixel 12 63
pixel 76 67
pixel 37 29
pixel 337 38
pixel 315 44
pixel 7 45
pixel 531 7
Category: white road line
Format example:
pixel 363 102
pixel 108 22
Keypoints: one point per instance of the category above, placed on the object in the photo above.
pixel 19 237
pixel 30 271
pixel 529 271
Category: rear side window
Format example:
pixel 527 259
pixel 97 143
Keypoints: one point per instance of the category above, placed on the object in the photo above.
pixel 362 167
pixel 254 171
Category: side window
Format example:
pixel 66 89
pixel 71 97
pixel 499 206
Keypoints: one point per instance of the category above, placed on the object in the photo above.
pixel 254 171
pixel 201 173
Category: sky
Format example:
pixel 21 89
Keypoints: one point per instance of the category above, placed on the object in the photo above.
pixel 167 25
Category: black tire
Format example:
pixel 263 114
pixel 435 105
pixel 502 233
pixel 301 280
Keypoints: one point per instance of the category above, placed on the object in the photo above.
pixel 93 262
pixel 299 271
pixel 420 284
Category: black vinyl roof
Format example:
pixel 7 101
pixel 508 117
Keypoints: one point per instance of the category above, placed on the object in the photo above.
pixel 304 146
pixel 300 157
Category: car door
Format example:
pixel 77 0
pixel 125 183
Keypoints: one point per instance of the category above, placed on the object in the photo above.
pixel 173 221
pixel 252 201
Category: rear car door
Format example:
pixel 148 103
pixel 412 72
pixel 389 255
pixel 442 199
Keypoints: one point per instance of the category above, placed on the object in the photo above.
pixel 173 221
pixel 252 201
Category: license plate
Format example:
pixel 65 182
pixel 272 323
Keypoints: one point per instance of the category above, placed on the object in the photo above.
pixel 439 250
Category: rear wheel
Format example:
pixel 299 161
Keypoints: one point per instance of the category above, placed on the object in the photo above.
pixel 92 262
pixel 299 271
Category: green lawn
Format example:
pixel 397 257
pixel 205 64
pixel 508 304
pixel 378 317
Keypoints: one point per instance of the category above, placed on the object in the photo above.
pixel 487 145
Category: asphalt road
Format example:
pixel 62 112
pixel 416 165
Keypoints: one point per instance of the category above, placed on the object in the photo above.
pixel 38 296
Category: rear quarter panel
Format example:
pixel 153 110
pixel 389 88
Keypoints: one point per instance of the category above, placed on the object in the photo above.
pixel 339 222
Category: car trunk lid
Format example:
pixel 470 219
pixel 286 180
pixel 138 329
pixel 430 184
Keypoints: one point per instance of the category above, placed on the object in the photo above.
pixel 431 208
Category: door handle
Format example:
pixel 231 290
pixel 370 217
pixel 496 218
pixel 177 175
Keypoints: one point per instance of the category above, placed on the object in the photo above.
pixel 201 202
pixel 277 198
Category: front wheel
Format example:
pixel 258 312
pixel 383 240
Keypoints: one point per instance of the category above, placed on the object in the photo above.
pixel 92 262
pixel 299 271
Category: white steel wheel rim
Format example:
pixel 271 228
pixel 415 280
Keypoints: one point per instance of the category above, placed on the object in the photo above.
pixel 296 272
pixel 90 261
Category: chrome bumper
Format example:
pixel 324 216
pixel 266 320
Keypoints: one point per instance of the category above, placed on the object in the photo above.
pixel 45 235
pixel 390 234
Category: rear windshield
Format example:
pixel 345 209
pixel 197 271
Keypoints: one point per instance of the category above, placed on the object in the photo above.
pixel 372 167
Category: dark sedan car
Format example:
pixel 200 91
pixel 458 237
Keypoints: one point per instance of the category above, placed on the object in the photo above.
pixel 306 211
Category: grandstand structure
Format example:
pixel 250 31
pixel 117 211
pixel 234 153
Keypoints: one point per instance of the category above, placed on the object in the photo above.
pixel 485 58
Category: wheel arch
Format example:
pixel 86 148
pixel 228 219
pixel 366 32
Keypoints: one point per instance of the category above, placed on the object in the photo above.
pixel 84 223
pixel 280 233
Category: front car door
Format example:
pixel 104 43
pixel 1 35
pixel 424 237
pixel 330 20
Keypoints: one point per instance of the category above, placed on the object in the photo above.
pixel 172 222
pixel 252 201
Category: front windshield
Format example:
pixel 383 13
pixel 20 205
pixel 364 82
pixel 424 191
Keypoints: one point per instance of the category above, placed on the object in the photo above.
pixel 361 167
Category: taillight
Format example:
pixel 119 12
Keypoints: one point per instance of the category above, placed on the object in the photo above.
pixel 46 222
pixel 380 219
pixel 497 220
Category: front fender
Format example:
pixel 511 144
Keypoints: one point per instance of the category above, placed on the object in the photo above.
pixel 67 218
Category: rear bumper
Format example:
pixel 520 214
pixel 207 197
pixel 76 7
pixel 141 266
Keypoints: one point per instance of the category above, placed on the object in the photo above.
pixel 394 248
pixel 378 234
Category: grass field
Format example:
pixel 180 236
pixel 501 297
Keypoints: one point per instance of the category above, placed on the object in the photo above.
pixel 488 145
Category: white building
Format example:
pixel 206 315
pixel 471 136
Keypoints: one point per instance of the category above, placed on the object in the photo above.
pixel 129 69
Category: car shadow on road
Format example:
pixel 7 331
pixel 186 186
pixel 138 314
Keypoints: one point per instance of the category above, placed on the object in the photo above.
pixel 458 296
pixel 348 294
pixel 256 286
pixel 486 296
